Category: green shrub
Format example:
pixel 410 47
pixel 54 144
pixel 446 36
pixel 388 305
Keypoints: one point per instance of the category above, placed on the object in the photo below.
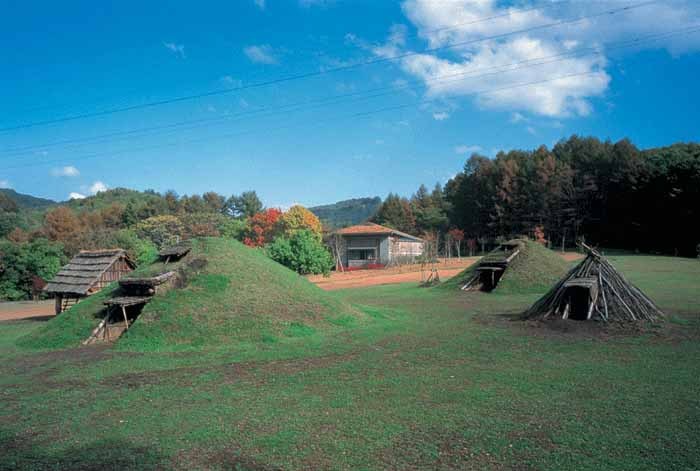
pixel 301 252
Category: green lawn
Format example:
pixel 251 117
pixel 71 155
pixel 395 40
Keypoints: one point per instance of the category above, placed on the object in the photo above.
pixel 433 379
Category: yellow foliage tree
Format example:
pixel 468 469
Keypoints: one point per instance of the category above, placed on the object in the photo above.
pixel 297 218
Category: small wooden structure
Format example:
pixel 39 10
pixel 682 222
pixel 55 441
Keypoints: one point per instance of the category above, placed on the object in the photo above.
pixel 123 309
pixel 87 273
pixel 594 290
pixel 491 267
pixel 175 252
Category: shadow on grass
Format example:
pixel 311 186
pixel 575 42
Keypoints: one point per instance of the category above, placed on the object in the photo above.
pixel 22 453
pixel 38 318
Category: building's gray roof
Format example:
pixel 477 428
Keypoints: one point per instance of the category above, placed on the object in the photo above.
pixel 84 270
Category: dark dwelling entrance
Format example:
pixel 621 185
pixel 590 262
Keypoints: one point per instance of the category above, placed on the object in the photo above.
pixel 578 299
pixel 489 277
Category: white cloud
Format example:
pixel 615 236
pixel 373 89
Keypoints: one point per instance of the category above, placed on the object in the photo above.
pixel 67 171
pixel 75 196
pixel 465 149
pixel 97 187
pixel 177 49
pixel 517 118
pixel 531 130
pixel 441 115
pixel 261 54
pixel 5 184
pixel 260 4
pixel 395 42
pixel 475 63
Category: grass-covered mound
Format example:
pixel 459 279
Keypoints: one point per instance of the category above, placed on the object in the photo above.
pixel 225 292
pixel 534 269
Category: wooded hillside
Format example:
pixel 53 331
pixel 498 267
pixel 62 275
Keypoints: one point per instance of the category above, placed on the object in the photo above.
pixel 348 212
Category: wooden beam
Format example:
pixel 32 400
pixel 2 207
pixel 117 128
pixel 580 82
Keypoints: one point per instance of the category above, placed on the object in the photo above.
pixel 126 319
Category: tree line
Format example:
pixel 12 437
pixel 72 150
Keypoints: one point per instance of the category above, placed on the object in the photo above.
pixel 608 194
pixel 34 247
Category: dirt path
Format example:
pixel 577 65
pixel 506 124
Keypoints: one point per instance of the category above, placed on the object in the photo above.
pixel 26 310
pixel 406 274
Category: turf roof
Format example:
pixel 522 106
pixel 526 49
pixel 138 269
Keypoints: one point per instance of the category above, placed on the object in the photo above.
pixel 227 293
pixel 534 269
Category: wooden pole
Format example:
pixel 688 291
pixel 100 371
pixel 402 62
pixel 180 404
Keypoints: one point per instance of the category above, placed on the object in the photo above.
pixel 126 319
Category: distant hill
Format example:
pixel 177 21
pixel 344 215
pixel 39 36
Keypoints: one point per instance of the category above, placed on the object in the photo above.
pixel 121 196
pixel 26 201
pixel 348 212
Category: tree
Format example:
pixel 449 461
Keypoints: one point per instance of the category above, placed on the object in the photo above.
pixel 129 216
pixel 161 230
pixel 298 218
pixel 193 204
pixel 232 228
pixel 263 227
pixel 20 263
pixel 62 225
pixel 9 217
pixel 214 202
pixel 172 201
pixel 396 212
pixel 113 215
pixel 243 206
pixel 429 209
pixel 457 236
pixel 302 252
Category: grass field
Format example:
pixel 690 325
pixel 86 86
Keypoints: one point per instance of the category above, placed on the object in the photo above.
pixel 431 379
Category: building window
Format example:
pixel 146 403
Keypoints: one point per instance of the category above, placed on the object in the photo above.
pixel 362 254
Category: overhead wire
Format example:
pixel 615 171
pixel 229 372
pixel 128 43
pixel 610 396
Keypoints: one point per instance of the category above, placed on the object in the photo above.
pixel 321 72
pixel 359 95
pixel 323 122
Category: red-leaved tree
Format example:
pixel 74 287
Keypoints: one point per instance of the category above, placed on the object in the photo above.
pixel 263 227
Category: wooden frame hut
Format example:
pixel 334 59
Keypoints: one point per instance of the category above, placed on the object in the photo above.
pixel 87 273
pixel 594 290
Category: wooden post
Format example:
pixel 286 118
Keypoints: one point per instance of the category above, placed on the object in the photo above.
pixel 126 319
pixel 57 304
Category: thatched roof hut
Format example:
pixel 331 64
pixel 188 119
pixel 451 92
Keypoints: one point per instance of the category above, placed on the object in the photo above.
pixel 594 290
pixel 87 273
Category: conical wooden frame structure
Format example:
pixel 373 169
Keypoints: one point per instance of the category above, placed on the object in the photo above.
pixel 594 290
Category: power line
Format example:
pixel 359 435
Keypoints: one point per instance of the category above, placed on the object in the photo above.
pixel 509 13
pixel 320 72
pixel 351 116
pixel 192 124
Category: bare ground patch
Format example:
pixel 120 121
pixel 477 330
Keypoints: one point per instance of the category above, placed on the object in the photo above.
pixel 667 331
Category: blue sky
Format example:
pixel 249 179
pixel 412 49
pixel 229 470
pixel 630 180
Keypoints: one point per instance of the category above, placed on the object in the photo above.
pixel 469 77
